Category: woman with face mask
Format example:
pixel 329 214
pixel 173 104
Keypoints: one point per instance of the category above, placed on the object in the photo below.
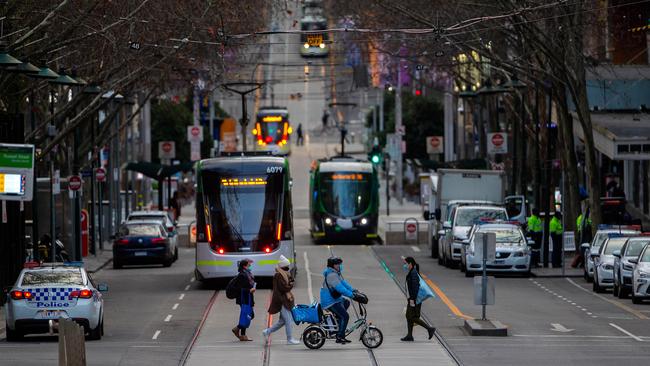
pixel 282 300
pixel 245 283
pixel 412 308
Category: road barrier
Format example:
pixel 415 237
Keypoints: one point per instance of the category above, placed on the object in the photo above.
pixel 406 232
pixel 72 346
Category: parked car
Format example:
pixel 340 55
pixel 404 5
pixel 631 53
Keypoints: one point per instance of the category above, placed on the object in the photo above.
pixel 623 267
pixel 164 218
pixel 50 291
pixel 457 228
pixel 143 242
pixel 641 276
pixel 604 262
pixel 512 250
pixel 598 240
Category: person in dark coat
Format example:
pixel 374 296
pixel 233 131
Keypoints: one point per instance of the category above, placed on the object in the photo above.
pixel 175 204
pixel 300 140
pixel 246 284
pixel 412 308
pixel 282 300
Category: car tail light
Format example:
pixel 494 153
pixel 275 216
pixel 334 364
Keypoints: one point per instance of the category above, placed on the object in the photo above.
pixel 82 294
pixel 21 295
pixel 157 240
pixel 123 241
pixel 221 251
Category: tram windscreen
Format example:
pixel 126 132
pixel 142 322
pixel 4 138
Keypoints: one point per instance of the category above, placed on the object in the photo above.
pixel 244 211
pixel 272 132
pixel 345 194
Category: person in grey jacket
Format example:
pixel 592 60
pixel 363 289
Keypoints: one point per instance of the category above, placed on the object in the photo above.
pixel 412 308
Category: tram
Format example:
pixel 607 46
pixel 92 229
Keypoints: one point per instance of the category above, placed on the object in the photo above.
pixel 243 210
pixel 273 130
pixel 343 200
pixel 313 44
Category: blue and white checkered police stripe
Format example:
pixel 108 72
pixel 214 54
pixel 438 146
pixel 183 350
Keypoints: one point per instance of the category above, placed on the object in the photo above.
pixel 51 294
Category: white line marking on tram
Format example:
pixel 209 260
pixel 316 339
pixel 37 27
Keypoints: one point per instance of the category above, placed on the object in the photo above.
pixel 415 249
pixel 168 318
pixel 175 306
pixel 187 287
pixel 181 297
pixel 155 335
pixel 638 339
pixel 309 284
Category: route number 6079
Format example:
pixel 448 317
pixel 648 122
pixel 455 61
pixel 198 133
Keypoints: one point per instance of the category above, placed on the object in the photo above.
pixel 274 169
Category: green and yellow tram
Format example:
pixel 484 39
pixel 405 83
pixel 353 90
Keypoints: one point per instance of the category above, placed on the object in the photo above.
pixel 273 130
pixel 343 200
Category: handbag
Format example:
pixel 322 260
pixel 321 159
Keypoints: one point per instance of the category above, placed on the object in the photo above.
pixel 245 313
pixel 424 292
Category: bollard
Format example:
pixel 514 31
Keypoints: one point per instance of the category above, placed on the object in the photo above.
pixel 72 343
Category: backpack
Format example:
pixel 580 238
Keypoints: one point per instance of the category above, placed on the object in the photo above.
pixel 232 290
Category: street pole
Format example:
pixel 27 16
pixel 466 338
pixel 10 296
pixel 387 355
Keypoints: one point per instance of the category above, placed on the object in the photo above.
pixel 381 110
pixel 398 129
pixel 244 122
pixel 484 278
pixel 52 208
pixel 92 222
pixel 248 87
pixel 35 236
pixel 387 172
pixel 76 255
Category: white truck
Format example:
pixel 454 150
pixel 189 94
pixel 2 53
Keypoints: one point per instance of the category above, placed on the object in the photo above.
pixel 448 188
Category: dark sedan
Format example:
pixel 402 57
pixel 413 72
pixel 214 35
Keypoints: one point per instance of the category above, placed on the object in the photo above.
pixel 142 243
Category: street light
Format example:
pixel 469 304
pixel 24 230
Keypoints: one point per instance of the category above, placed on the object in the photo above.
pixel 23 68
pixel 5 58
pixel 243 88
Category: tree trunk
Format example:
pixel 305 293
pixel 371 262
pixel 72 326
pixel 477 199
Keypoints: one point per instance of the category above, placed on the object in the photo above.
pixel 571 199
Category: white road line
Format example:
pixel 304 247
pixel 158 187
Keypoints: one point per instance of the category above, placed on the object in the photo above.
pixel 181 297
pixel 168 318
pixel 309 284
pixel 613 302
pixel 192 279
pixel 415 249
pixel 187 287
pixel 638 339
pixel 155 335
pixel 175 306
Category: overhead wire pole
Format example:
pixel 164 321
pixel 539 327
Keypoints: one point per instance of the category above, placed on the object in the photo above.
pixel 243 89
pixel 342 128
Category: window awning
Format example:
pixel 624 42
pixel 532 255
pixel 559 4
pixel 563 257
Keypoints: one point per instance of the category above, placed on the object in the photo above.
pixel 620 136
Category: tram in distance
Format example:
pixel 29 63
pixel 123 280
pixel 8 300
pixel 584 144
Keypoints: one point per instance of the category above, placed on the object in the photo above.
pixel 313 44
pixel 273 130
pixel 243 210
pixel 343 200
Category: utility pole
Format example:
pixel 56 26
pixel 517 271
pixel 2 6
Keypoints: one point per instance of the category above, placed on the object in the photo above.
pixel 342 128
pixel 398 132
pixel 243 89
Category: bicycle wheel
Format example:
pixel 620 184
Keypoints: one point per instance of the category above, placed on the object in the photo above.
pixel 313 337
pixel 372 337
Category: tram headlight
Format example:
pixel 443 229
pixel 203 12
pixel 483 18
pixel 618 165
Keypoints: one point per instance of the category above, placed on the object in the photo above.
pixel 328 221
pixel 306 45
pixel 364 221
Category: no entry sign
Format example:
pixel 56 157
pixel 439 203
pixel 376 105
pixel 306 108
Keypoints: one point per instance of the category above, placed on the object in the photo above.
pixel 434 145
pixel 497 143
pixel 74 182
pixel 100 174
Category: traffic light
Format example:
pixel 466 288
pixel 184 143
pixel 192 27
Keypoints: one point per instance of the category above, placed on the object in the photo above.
pixel 375 154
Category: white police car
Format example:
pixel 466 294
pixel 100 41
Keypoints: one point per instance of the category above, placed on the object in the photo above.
pixel 48 292
pixel 641 276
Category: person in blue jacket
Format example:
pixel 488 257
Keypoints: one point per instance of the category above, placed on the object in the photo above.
pixel 332 295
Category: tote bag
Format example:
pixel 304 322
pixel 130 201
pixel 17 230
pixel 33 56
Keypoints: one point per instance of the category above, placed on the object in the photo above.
pixel 245 313
pixel 424 293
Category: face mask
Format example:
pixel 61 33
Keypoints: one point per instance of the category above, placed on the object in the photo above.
pixel 341 268
pixel 405 266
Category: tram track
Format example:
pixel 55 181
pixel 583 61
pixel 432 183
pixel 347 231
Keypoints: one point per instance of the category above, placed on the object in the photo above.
pixel 197 332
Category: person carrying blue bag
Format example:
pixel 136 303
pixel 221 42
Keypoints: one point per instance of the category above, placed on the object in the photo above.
pixel 332 296
pixel 416 291
pixel 245 286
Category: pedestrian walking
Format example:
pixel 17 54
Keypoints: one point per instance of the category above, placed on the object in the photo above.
pixel 245 284
pixel 556 230
pixel 324 119
pixel 300 141
pixel 282 301
pixel 175 204
pixel 413 309
pixel 534 227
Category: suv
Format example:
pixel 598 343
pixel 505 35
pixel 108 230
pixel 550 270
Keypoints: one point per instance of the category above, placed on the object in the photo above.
pixel 601 235
pixel 457 228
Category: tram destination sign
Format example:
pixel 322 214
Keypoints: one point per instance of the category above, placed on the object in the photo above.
pixel 16 172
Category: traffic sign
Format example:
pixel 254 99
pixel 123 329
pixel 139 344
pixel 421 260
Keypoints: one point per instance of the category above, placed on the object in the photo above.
pixel 411 230
pixel 435 145
pixel 100 174
pixel 194 133
pixel 166 150
pixel 497 143
pixel 74 182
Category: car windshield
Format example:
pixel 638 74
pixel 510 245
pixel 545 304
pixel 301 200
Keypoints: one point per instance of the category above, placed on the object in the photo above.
pixel 471 216
pixel 49 277
pixel 614 244
pixel 147 218
pixel 646 256
pixel 140 230
pixel 600 237
pixel 345 194
pixel 507 237
pixel 634 247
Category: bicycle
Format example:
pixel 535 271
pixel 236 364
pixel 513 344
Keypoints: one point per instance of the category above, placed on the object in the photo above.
pixel 315 335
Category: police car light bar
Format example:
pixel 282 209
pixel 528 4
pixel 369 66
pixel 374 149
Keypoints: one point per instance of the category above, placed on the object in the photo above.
pixel 619 227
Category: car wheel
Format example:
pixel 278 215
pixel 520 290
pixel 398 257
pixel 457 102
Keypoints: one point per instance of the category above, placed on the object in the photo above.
pixel 96 334
pixel 176 254
pixel 622 293
pixel 13 335
pixel 463 267
pixel 469 273
pixel 636 300
pixel 596 286
pixel 168 262
pixel 116 264
pixel 434 249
